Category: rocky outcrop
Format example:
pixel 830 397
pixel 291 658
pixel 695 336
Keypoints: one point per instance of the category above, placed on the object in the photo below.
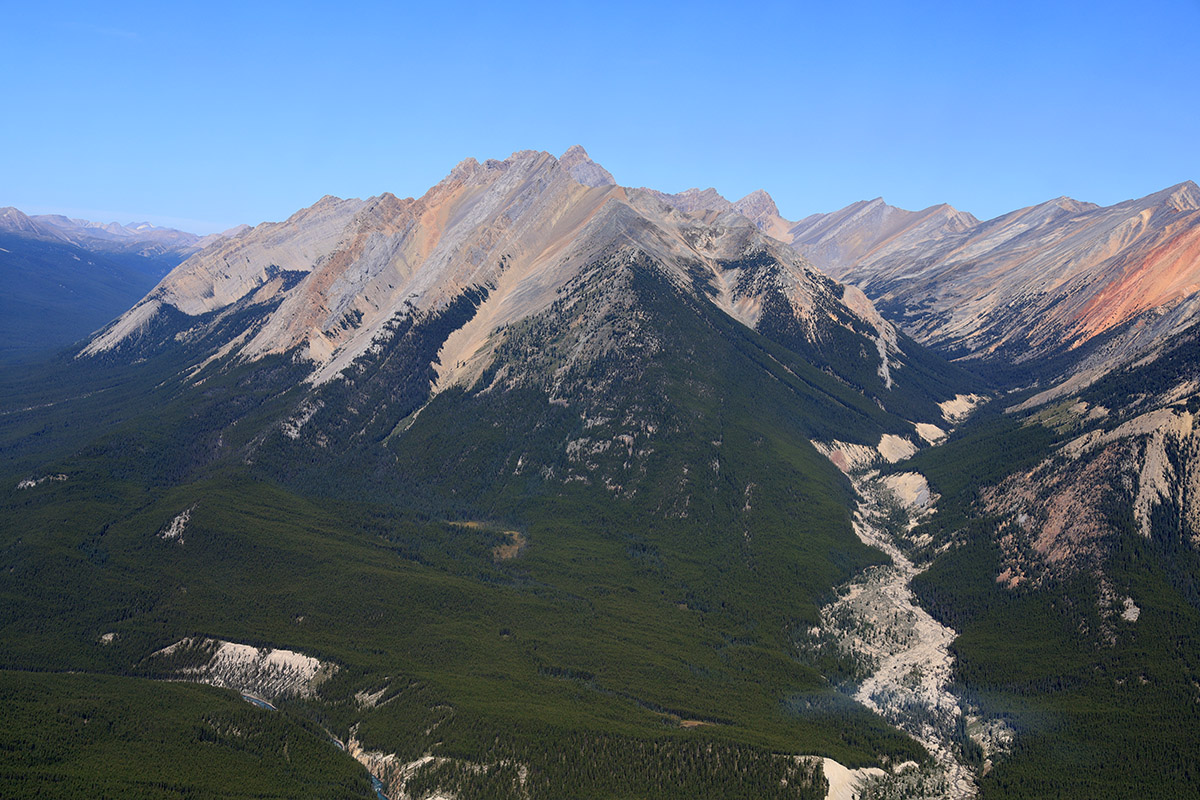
pixel 1054 514
pixel 263 672
pixel 758 207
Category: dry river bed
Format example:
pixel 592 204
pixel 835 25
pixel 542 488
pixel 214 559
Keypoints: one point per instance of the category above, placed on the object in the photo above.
pixel 902 654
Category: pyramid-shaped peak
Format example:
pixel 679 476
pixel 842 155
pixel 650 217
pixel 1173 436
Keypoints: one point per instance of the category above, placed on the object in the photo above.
pixel 581 167
pixel 757 205
pixel 1059 204
pixel 960 220
pixel 468 166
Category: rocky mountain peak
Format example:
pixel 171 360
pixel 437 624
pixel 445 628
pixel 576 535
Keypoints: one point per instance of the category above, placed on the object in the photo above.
pixel 577 162
pixel 1071 205
pixel 468 166
pixel 965 218
pixel 757 206
pixel 504 238
pixel 135 239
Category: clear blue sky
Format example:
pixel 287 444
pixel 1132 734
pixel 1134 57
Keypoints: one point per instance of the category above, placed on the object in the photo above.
pixel 206 115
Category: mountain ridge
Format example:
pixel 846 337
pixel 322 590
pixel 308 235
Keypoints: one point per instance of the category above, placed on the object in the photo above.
pixel 522 227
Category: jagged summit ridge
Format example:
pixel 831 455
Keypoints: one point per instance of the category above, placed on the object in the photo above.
pixel 871 229
pixel 328 281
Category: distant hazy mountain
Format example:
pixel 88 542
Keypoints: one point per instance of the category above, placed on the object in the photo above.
pixel 162 247
pixel 64 278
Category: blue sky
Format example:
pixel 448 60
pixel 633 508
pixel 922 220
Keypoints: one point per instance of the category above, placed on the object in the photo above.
pixel 210 114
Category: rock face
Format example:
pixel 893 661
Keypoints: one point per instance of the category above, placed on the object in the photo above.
pixel 1041 281
pixel 12 220
pixel 758 207
pixel 1053 515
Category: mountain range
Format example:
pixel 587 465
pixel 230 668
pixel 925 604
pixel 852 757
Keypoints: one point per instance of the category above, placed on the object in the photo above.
pixel 143 239
pixel 541 486
pixel 65 278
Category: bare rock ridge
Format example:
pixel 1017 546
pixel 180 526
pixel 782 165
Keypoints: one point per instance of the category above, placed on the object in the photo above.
pixel 12 220
pixel 330 279
pixel 584 170
pixel 1036 280
pixel 1049 278
pixel 1025 285
pixel 758 207
pixel 1029 284
pixel 837 241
